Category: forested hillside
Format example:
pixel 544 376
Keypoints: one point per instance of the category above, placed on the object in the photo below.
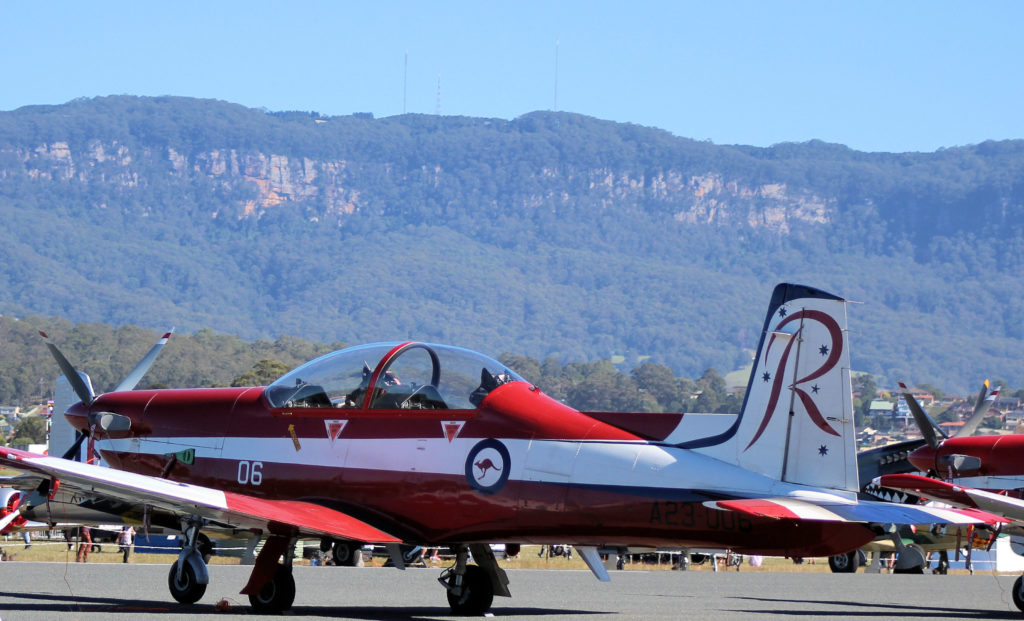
pixel 552 234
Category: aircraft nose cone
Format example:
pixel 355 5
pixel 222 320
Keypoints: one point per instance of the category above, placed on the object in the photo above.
pixel 78 415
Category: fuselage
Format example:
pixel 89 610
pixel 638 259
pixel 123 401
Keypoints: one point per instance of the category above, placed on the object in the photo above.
pixel 519 467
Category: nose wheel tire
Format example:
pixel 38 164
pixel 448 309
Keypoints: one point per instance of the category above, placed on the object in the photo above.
pixel 276 595
pixel 347 553
pixel 1018 597
pixel 186 590
pixel 477 593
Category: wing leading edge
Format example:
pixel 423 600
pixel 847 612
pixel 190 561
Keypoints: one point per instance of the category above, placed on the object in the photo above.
pixel 279 517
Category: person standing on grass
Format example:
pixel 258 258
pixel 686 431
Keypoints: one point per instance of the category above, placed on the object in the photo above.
pixel 84 544
pixel 125 541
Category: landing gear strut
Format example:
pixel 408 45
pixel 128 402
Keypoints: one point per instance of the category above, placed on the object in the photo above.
pixel 189 576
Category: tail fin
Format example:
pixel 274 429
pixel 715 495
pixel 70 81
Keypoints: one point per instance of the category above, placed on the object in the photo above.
pixel 796 424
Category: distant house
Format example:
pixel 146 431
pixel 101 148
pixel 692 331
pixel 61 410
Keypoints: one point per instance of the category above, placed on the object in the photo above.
pixel 1006 404
pixel 31 448
pixel 1014 418
pixel 950 428
pixel 922 397
pixel 880 407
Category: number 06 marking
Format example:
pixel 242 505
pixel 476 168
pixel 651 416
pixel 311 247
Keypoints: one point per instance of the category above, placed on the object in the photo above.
pixel 250 473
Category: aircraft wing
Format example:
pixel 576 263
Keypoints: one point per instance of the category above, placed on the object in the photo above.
pixel 227 509
pixel 958 495
pixel 841 510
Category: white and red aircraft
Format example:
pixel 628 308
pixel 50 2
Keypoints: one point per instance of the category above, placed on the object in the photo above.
pixel 436 445
pixel 976 472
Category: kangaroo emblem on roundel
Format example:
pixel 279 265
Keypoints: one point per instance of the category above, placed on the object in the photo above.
pixel 484 466
pixel 487 466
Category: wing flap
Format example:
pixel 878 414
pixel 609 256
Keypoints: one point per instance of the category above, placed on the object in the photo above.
pixel 282 517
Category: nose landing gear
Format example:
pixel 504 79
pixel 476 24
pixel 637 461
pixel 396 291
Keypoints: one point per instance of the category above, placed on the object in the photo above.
pixel 189 576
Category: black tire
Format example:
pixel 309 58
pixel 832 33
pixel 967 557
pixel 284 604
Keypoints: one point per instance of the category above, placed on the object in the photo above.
pixel 276 595
pixel 916 569
pixel 347 553
pixel 188 590
pixel 477 593
pixel 844 563
pixel 412 555
pixel 1018 597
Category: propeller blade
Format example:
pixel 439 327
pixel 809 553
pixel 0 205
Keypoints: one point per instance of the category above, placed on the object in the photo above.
pixel 924 422
pixel 132 379
pixel 981 407
pixel 7 519
pixel 75 450
pixel 77 384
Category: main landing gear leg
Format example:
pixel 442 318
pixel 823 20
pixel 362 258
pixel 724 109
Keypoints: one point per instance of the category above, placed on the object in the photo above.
pixel 271 587
pixel 471 588
pixel 189 576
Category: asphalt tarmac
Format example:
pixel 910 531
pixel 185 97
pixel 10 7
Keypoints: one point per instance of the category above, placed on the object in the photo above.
pixel 38 591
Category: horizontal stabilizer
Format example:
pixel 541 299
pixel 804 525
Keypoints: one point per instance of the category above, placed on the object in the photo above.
pixel 850 511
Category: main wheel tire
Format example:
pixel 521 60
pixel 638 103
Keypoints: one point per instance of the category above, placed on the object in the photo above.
pixel 347 553
pixel 187 590
pixel 276 595
pixel 477 593
pixel 844 563
pixel 1018 596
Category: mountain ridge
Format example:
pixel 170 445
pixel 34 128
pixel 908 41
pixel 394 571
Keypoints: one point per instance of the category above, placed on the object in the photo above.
pixel 551 234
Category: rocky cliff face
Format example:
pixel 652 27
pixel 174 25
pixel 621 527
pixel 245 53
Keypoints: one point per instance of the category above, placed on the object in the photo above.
pixel 334 188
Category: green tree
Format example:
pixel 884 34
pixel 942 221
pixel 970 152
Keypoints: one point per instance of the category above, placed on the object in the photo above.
pixel 262 373
pixel 658 381
pixel 528 368
pixel 864 389
pixel 30 430
pixel 712 395
pixel 992 422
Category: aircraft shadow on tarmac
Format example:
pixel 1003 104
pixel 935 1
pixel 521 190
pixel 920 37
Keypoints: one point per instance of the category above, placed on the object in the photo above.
pixel 42 602
pixel 876 609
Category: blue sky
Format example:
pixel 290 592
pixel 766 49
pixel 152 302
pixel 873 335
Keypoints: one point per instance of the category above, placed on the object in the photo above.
pixel 877 76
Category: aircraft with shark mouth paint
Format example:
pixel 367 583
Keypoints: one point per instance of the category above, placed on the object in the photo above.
pixel 978 472
pixel 440 446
